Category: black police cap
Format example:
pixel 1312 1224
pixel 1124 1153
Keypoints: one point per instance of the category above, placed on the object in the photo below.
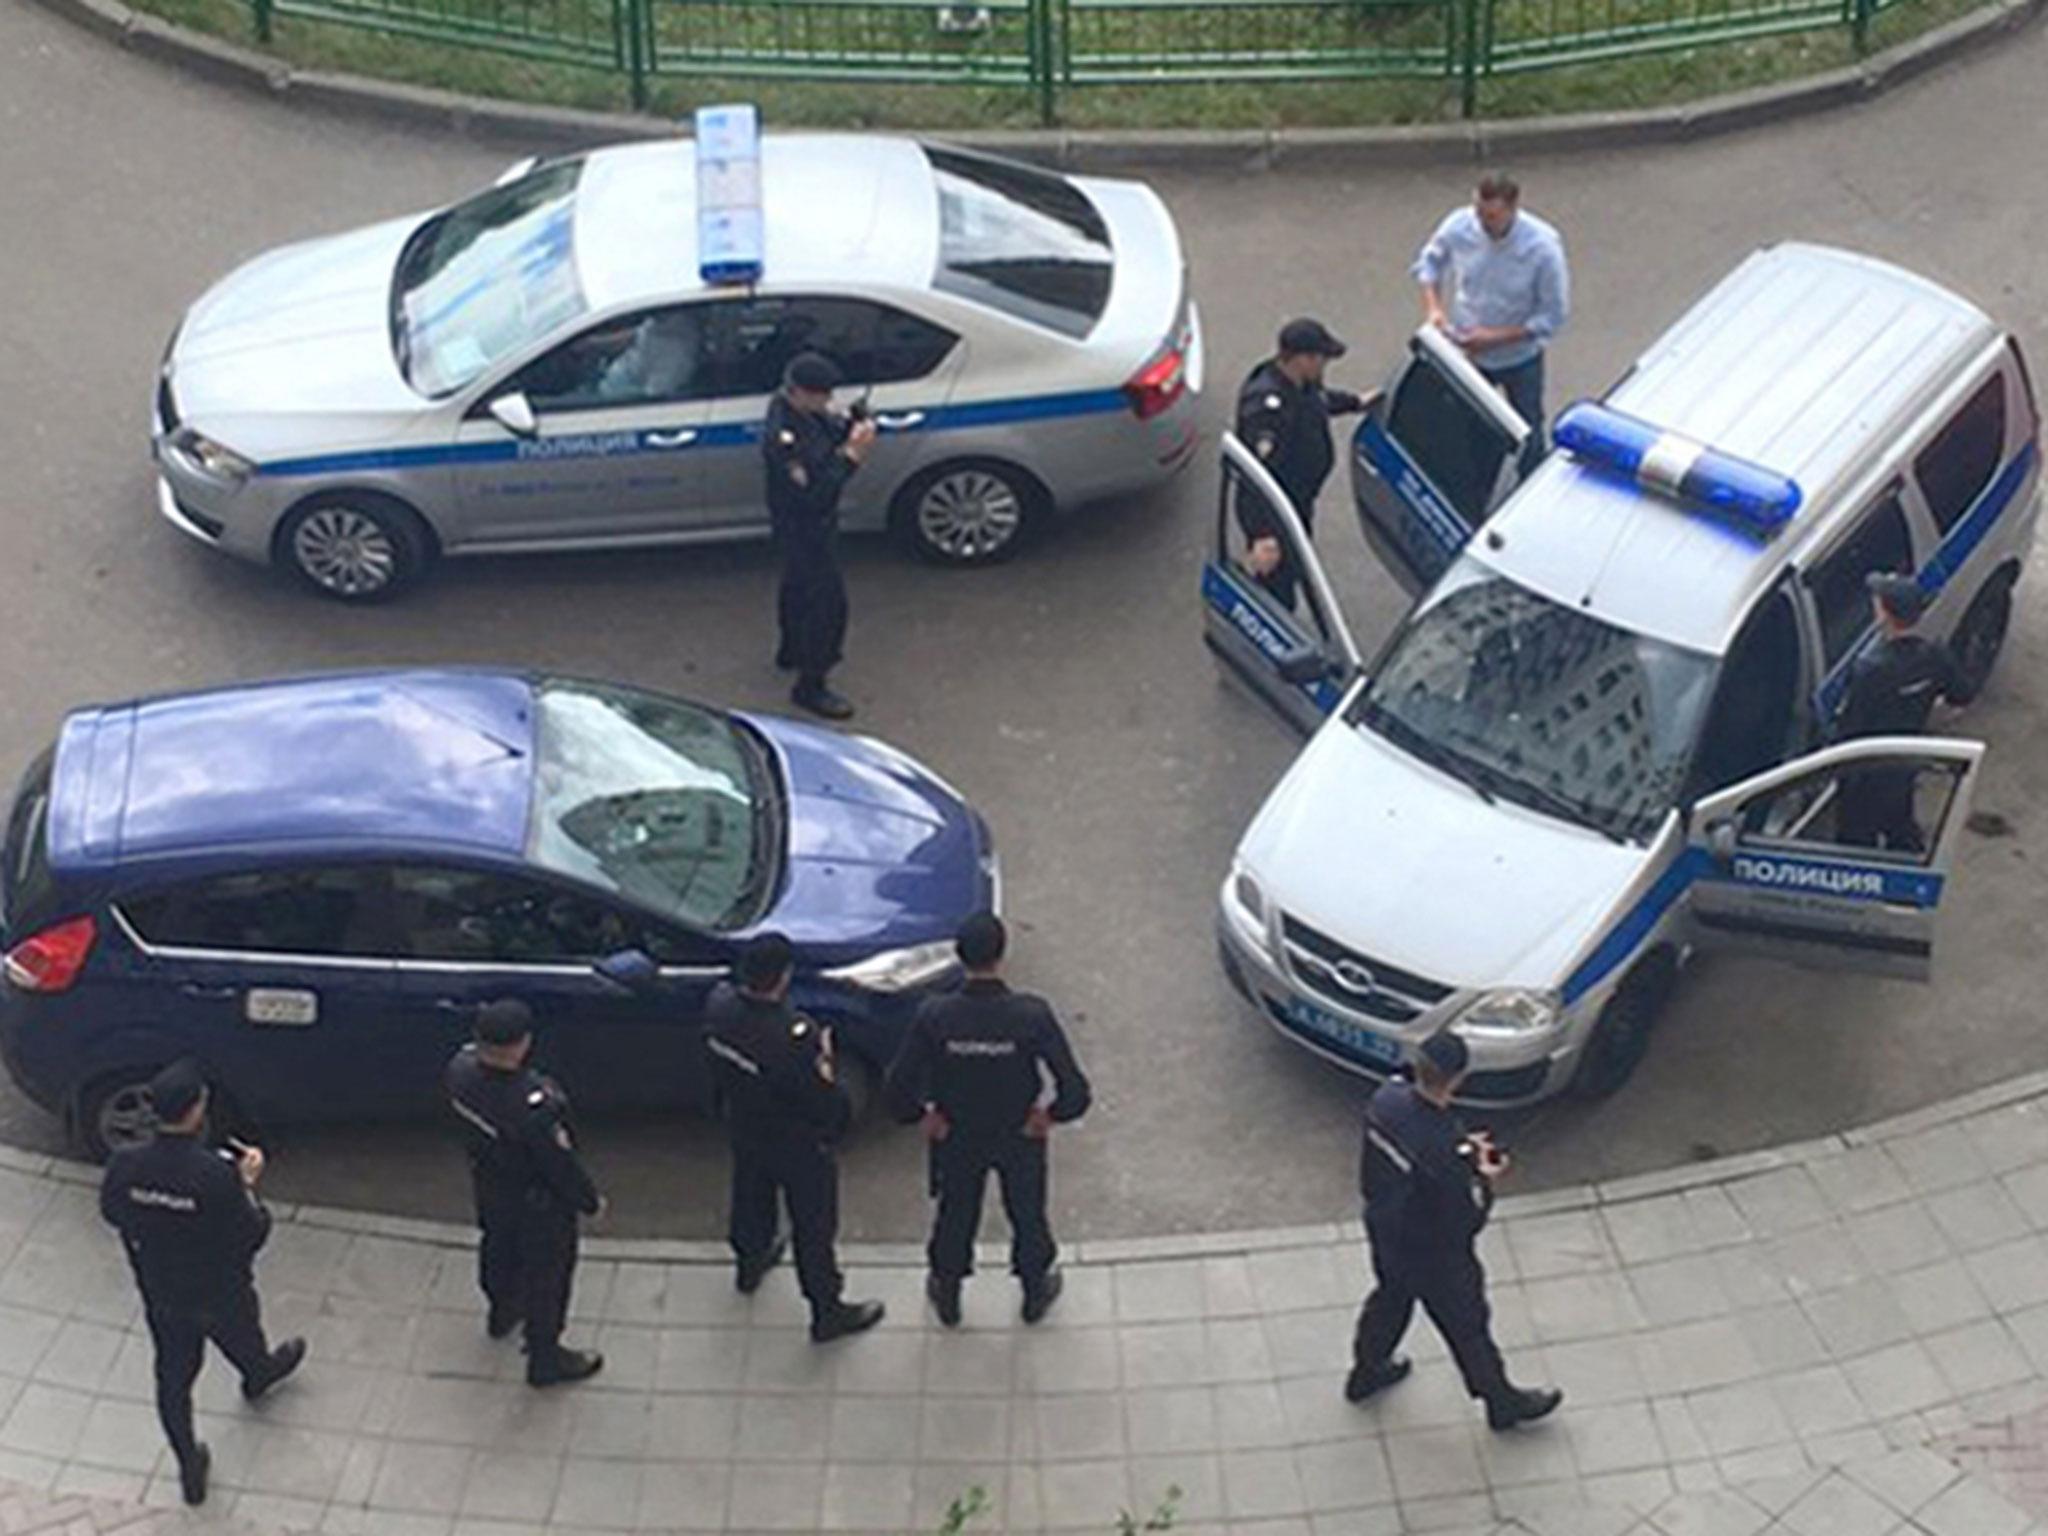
pixel 504 1021
pixel 1902 596
pixel 173 1091
pixel 811 370
pixel 1306 335
pixel 1446 1052
pixel 764 960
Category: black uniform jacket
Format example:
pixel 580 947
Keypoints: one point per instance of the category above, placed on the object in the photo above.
pixel 1288 426
pixel 191 1226
pixel 806 470
pixel 975 1056
pixel 1421 1196
pixel 1893 685
pixel 765 1057
pixel 522 1147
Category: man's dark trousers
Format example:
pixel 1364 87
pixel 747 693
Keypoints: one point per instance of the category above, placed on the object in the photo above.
pixel 1523 385
pixel 180 1332
pixel 963 1164
pixel 806 1180
pixel 526 1264
pixel 811 605
pixel 1452 1289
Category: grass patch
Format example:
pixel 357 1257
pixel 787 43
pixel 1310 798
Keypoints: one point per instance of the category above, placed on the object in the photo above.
pixel 1169 64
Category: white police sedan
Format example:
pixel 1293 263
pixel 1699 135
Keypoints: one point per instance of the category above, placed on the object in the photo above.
pixel 542 366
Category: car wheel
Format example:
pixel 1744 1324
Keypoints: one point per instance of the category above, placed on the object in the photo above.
pixel 1981 635
pixel 356 546
pixel 1621 1035
pixel 969 512
pixel 114 1113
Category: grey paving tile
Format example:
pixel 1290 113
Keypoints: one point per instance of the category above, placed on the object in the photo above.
pixel 1906 1480
pixel 1901 1379
pixel 865 1429
pixel 1644 1231
pixel 1857 1318
pixel 1011 1493
pixel 1751 1276
pixel 421 1479
pixel 510 1485
pixel 1616 1438
pixel 1539 1453
pixel 965 1429
pixel 891 1363
pixel 1249 1416
pixel 1594 1372
pixel 1198 1475
pixel 1570 1243
pixel 1463 1514
pixel 1939 1296
pixel 700 1359
pixel 1822 1257
pixel 1260 1484
pixel 867 1496
pixel 779 1497
pixel 785 1426
pixel 1300 1279
pixel 1694 1356
pixel 1979 1215
pixel 124 1436
pixel 1968 1507
pixel 1979 1356
pixel 1161 1292
pixel 1844 1447
pixel 1819 1401
pixel 1715 1217
pixel 1834 1506
pixel 1677 1290
pixel 974 1364
pixel 1435 1395
pixel 684 1495
pixel 1898 1237
pixel 1309 1343
pixel 1782 1336
pixel 1740 1417
pixel 1859 1179
pixel 1785 1466
pixel 1344 1475
pixel 80 1356
pixel 785 1360
pixel 1584 1306
pixel 24 1337
pixel 1941 1158
pixel 457 1412
pixel 1641 1490
pixel 1077 1426
pixel 1227 1289
pixel 1779 1202
pixel 2012 1275
pixel 295 1463
pixel 1165 1355
pixel 1717 1512
pixel 1178 1419
pixel 46 1421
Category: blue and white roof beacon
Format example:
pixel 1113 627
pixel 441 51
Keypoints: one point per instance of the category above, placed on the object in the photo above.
pixel 1761 500
pixel 729 225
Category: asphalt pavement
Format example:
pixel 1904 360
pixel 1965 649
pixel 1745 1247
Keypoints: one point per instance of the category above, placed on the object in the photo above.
pixel 1067 693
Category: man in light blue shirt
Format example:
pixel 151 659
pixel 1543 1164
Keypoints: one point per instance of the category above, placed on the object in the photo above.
pixel 1495 279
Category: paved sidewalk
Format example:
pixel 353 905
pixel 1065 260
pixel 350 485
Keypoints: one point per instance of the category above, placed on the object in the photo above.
pixel 1841 1339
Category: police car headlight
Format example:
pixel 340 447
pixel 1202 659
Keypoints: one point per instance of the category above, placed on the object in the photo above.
pixel 900 970
pixel 1510 1013
pixel 1244 902
pixel 210 457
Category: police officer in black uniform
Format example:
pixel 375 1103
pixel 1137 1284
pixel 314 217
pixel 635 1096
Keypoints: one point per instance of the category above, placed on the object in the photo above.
pixel 972 1069
pixel 1283 416
pixel 1892 688
pixel 784 1111
pixel 530 1186
pixel 1428 1188
pixel 190 1220
pixel 810 452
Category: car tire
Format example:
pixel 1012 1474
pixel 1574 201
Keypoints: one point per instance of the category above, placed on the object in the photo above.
pixel 967 512
pixel 113 1112
pixel 354 546
pixel 1621 1035
pixel 1979 638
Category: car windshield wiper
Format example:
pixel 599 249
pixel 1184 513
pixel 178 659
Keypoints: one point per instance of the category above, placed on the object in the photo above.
pixel 1542 797
pixel 1415 744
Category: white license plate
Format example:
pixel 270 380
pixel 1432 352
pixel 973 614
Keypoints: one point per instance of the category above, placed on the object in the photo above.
pixel 281 1005
pixel 1353 1038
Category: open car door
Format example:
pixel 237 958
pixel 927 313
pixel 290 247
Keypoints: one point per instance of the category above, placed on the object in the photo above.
pixel 1838 859
pixel 1433 455
pixel 1281 632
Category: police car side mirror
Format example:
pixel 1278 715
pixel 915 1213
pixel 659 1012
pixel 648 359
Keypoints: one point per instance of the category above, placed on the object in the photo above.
pixel 1304 667
pixel 514 412
pixel 1721 840
pixel 630 970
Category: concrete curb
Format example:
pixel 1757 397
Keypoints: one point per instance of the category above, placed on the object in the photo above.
pixel 2029 1089
pixel 533 126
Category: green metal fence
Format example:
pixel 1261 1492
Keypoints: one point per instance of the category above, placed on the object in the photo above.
pixel 1048 47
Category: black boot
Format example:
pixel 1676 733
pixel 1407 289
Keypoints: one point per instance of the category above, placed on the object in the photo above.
pixel 1361 1384
pixel 283 1361
pixel 563 1366
pixel 843 1318
pixel 1521 1405
pixel 192 1475
pixel 1041 1294
pixel 816 696
pixel 944 1292
pixel 749 1275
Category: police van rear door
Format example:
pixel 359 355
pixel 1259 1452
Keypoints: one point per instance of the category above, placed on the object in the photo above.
pixel 1840 859
pixel 1299 659
pixel 1431 458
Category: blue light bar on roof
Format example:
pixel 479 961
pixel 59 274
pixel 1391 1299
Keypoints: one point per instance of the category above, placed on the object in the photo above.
pixel 729 233
pixel 1761 500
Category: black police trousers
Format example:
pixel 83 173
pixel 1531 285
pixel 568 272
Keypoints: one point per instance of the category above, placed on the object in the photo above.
pixel 1452 1289
pixel 1877 810
pixel 526 1264
pixel 962 1165
pixel 180 1329
pixel 804 1178
pixel 811 608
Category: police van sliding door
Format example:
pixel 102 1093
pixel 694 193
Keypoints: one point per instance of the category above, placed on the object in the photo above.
pixel 1279 630
pixel 1431 458
pixel 1840 859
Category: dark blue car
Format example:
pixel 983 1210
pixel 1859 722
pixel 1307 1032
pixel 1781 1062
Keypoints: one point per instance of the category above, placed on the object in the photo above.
pixel 308 883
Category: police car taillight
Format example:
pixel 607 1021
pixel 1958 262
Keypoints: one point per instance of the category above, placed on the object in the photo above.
pixel 51 960
pixel 1155 387
pixel 1759 499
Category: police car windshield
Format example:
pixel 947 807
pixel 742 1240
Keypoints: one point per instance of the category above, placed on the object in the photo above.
pixel 485 279
pixel 666 804
pixel 1540 703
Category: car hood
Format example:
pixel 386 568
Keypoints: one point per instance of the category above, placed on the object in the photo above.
pixel 301 329
pixel 880 853
pixel 1409 866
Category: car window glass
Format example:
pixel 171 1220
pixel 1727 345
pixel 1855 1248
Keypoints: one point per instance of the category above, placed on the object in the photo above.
pixel 488 917
pixel 1879 543
pixel 25 875
pixel 1242 503
pixel 1954 469
pixel 871 343
pixel 1459 451
pixel 1025 242
pixel 335 911
pixel 1751 717
pixel 641 359
pixel 1898 808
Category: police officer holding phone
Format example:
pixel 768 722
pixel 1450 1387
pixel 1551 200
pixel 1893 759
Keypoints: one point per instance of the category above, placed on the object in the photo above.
pixel 973 1069
pixel 784 1110
pixel 189 1217
pixel 1428 1188
pixel 530 1186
